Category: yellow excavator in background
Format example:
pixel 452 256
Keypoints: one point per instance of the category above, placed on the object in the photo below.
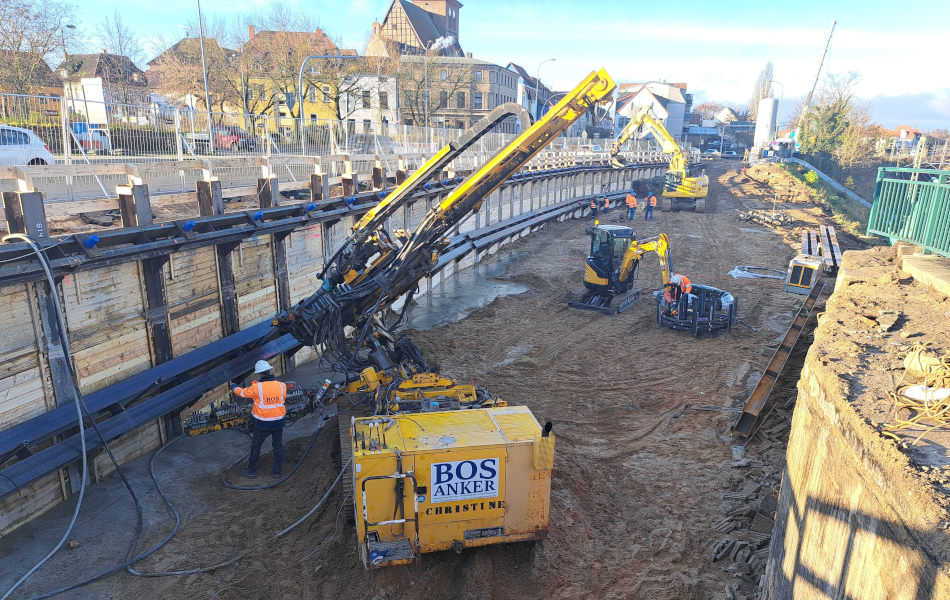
pixel 680 185
pixel 611 268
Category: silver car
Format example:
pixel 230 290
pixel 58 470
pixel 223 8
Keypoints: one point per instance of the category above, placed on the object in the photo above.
pixel 23 147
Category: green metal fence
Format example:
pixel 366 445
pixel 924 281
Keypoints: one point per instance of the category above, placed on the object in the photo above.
pixel 913 205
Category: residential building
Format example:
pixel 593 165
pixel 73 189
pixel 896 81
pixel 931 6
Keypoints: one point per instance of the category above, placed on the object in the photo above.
pixel 461 91
pixel 669 102
pixel 531 93
pixel 372 100
pixel 271 61
pixel 415 26
pixel 25 73
pixel 92 82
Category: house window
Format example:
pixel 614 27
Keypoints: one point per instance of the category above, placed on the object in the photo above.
pixel 477 101
pixel 408 122
pixel 326 93
pixel 262 92
pixel 250 94
pixel 383 100
pixel 409 98
pixel 478 76
pixel 491 77
pixel 311 94
pixel 367 103
pixel 443 99
pixel 445 75
pixel 491 100
pixel 460 99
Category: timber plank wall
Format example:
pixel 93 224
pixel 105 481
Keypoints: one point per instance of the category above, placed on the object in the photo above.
pixel 108 317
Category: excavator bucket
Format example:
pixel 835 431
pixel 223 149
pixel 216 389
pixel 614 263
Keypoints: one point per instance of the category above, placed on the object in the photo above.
pixel 602 303
pixel 619 162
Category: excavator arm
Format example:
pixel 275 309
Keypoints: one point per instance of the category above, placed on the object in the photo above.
pixel 646 122
pixel 659 244
pixel 372 269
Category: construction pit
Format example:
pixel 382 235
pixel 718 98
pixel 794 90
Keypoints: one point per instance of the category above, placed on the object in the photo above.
pixel 645 485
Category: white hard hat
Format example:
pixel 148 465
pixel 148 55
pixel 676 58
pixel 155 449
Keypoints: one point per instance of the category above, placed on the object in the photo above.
pixel 677 279
pixel 262 366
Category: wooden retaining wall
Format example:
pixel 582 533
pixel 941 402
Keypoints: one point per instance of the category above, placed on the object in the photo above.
pixel 109 321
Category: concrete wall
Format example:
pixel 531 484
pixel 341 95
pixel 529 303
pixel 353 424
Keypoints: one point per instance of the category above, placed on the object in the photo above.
pixel 854 520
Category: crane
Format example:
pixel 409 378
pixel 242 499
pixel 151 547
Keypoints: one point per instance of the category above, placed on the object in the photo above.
pixel 680 185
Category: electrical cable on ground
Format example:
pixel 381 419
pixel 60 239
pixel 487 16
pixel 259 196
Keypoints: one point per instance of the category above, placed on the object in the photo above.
pixel 336 529
pixel 224 474
pixel 82 431
pixel 322 500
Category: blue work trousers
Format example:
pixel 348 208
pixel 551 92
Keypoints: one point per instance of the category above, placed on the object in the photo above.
pixel 633 212
pixel 648 214
pixel 276 440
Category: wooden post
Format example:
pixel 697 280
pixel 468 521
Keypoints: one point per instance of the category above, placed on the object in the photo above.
pixel 229 315
pixel 25 213
pixel 210 200
pixel 379 179
pixel 282 275
pixel 134 205
pixel 401 172
pixel 316 187
pixel 267 192
pixel 348 179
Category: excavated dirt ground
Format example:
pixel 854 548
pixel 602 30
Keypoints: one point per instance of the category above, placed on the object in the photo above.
pixel 643 452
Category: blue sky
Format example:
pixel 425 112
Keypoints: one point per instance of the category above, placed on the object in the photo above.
pixel 717 48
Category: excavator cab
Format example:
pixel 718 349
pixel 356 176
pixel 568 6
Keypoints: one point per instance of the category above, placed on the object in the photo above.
pixel 608 244
pixel 605 275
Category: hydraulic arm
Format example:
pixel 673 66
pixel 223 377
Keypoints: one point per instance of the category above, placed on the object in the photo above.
pixel 679 183
pixel 374 268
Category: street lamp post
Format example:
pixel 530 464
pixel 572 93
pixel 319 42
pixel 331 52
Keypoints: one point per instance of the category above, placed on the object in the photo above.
pixel 537 90
pixel 204 70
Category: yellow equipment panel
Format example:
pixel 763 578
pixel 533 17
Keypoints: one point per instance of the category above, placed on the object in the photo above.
pixel 426 482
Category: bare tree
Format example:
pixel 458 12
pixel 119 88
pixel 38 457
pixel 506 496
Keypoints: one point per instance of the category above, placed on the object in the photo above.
pixel 177 71
pixel 709 109
pixel 118 38
pixel 30 32
pixel 447 78
pixel 762 89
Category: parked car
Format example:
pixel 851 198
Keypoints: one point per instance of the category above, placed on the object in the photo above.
pixel 226 137
pixel 711 152
pixel 729 154
pixel 23 147
pixel 367 143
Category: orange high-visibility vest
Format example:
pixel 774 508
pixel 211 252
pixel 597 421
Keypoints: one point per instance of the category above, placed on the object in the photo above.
pixel 631 201
pixel 652 200
pixel 593 203
pixel 685 285
pixel 267 399
pixel 606 202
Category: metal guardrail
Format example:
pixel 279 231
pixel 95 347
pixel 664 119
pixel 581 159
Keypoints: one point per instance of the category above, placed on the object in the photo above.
pixel 913 205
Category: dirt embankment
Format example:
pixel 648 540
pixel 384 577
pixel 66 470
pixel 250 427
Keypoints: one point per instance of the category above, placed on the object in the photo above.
pixel 643 454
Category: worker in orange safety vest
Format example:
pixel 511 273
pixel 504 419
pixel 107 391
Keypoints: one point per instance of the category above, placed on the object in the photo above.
pixel 631 204
pixel 267 398
pixel 606 204
pixel 651 203
pixel 593 208
pixel 678 288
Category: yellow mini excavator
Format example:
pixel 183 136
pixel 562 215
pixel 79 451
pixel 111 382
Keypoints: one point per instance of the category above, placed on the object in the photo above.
pixel 612 266
pixel 680 184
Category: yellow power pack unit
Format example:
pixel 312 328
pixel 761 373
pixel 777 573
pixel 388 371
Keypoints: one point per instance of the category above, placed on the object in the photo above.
pixel 432 481
pixel 803 272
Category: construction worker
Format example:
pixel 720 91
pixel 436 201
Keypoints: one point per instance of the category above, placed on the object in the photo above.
pixel 267 398
pixel 593 208
pixel 631 204
pixel 676 292
pixel 651 203
pixel 606 204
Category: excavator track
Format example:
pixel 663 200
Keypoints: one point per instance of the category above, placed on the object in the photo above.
pixel 601 303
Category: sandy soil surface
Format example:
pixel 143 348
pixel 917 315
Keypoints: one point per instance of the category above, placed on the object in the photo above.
pixel 643 449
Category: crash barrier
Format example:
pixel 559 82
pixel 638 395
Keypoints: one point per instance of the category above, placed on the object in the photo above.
pixel 160 316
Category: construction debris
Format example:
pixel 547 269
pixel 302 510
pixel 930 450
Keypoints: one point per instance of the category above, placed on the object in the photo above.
pixel 749 518
pixel 772 218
